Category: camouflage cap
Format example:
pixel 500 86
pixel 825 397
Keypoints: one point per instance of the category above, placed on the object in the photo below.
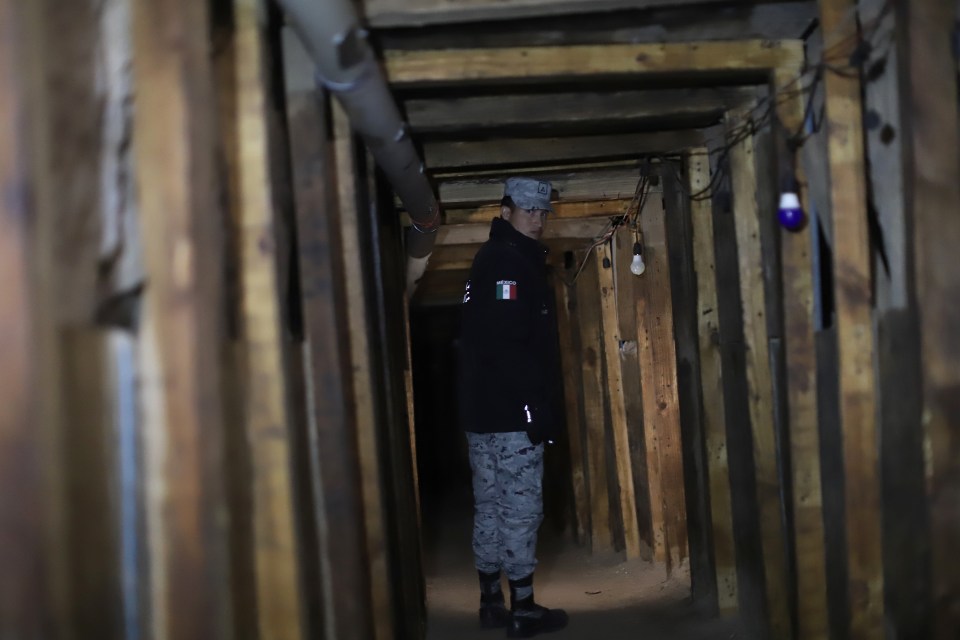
pixel 529 193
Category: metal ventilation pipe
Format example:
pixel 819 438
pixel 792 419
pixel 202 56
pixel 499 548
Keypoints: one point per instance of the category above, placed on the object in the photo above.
pixel 347 67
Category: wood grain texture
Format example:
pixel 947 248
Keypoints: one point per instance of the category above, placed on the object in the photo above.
pixel 268 416
pixel 615 396
pixel 802 403
pixel 711 384
pixel 476 233
pixel 561 210
pixel 753 297
pixel 661 411
pixel 572 389
pixel 591 345
pixel 181 330
pixel 934 198
pixel 527 151
pixel 384 13
pixel 531 63
pixel 855 333
pixel 346 592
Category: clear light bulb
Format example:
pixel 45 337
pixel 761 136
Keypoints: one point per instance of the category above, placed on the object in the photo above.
pixel 637 267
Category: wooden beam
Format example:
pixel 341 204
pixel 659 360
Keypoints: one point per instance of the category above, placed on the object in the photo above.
pixel 618 411
pixel 527 112
pixel 766 461
pixel 577 186
pixel 561 210
pixel 797 271
pixel 661 411
pixel 855 335
pixel 572 388
pixel 348 598
pixel 476 233
pixel 268 416
pixel 444 156
pixel 591 345
pixel 933 167
pixel 711 384
pixel 393 13
pixel 180 334
pixel 532 63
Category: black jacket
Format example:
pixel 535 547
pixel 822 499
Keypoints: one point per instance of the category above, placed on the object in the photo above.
pixel 509 363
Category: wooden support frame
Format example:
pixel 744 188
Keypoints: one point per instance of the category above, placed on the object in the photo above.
pixel 711 383
pixel 572 388
pixel 618 411
pixel 591 345
pixel 802 401
pixel 753 299
pixel 405 68
pixel 281 611
pixel 348 598
pixel 933 197
pixel 855 332
pixel 477 233
pixel 181 333
pixel 661 414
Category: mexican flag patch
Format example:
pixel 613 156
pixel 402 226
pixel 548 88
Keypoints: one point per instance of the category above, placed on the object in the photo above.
pixel 507 290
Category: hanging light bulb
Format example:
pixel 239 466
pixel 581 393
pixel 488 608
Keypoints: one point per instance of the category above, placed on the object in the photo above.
pixel 637 267
pixel 790 212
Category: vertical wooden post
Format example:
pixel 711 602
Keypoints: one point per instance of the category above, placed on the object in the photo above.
pixel 362 377
pixel 588 311
pixel 797 279
pixel 618 412
pixel 335 465
pixel 753 299
pixel 181 323
pixel 661 411
pixel 854 325
pixel 934 198
pixel 266 393
pixel 572 386
pixel 711 381
pixel 411 413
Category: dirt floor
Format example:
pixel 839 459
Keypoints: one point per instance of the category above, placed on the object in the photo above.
pixel 607 598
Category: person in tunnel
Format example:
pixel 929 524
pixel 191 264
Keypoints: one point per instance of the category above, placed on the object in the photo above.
pixel 507 386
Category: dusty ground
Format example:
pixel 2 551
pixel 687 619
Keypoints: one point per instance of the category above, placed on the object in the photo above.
pixel 606 597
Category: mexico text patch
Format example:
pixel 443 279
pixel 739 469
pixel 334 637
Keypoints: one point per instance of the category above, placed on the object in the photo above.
pixel 506 290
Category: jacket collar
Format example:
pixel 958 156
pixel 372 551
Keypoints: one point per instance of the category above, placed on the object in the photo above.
pixel 503 231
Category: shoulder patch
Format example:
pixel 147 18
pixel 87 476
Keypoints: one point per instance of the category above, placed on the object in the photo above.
pixel 506 290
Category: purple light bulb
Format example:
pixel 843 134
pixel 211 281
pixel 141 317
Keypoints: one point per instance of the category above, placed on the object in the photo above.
pixel 790 213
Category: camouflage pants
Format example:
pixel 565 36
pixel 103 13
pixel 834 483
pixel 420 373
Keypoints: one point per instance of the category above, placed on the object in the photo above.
pixel 508 501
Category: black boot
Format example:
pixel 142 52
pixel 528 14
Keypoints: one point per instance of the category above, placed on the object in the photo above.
pixel 493 610
pixel 529 618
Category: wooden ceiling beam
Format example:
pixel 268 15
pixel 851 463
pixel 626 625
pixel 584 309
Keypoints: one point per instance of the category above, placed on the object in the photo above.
pixel 546 110
pixel 561 211
pixel 407 13
pixel 529 64
pixel 477 233
pixel 476 155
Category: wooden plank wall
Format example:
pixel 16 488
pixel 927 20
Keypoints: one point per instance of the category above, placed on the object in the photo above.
pixel 335 467
pixel 594 400
pixel 761 395
pixel 932 169
pixel 711 384
pixel 615 398
pixel 267 389
pixel 181 330
pixel 854 327
pixel 658 366
pixel 683 284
